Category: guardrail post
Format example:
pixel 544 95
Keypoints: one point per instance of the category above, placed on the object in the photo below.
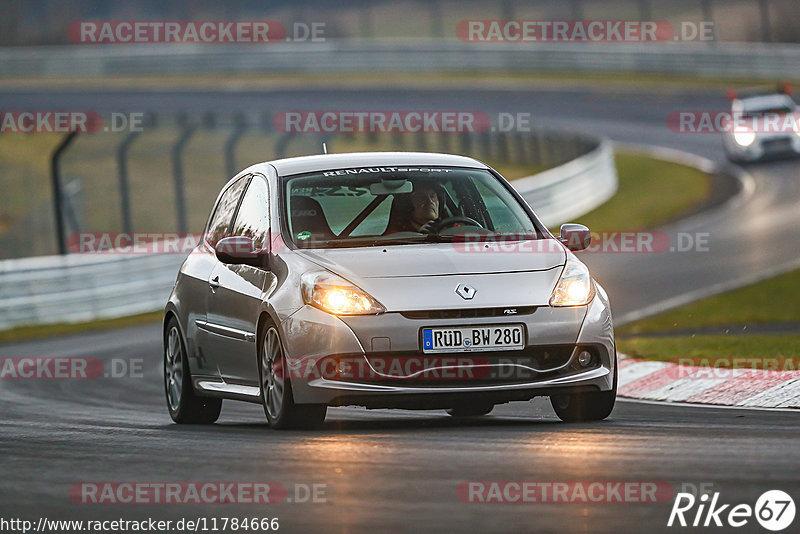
pixel 502 147
pixel 58 193
pixel 507 10
pixel 444 143
pixel 124 184
pixel 240 126
pixel 422 141
pixel 766 30
pixel 645 12
pixel 437 26
pixel 522 153
pixel 577 10
pixel 708 16
pixel 398 140
pixel 365 21
pixel 177 171
pixel 282 145
pixel 466 143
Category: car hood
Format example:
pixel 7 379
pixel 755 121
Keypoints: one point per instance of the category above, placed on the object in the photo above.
pixel 438 259
pixel 417 277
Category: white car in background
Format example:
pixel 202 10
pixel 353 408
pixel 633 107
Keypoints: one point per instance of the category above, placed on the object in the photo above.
pixel 762 126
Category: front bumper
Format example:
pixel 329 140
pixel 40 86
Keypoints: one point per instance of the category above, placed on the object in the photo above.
pixel 546 366
pixel 767 147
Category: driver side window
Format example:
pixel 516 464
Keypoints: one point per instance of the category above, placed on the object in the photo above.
pixel 253 217
pixel 221 220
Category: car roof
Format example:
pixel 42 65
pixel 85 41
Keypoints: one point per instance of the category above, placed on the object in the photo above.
pixel 324 162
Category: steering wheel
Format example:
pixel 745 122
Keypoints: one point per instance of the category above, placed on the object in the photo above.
pixel 450 222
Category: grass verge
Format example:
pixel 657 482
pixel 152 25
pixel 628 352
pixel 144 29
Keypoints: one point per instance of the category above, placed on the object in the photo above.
pixel 754 304
pixel 651 193
pixel 716 350
pixel 24 333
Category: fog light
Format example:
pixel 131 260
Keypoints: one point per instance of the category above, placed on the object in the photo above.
pixel 585 358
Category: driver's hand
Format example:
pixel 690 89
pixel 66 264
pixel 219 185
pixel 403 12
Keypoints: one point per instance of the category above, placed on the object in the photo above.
pixel 427 228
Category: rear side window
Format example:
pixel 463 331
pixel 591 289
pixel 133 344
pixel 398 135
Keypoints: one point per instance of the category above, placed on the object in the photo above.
pixel 223 213
pixel 253 217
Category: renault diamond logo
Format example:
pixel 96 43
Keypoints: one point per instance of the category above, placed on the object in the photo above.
pixel 466 291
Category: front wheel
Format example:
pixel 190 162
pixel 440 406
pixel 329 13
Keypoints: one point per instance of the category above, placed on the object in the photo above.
pixel 183 405
pixel 586 406
pixel 276 389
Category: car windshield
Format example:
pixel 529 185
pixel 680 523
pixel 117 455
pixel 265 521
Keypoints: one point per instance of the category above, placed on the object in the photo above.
pixel 375 206
pixel 774 110
pixel 762 106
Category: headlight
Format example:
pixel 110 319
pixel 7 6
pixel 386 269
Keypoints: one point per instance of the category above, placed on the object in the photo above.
pixel 336 295
pixel 744 136
pixel 575 287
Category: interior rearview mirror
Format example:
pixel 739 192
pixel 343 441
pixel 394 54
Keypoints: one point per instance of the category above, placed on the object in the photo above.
pixel 391 187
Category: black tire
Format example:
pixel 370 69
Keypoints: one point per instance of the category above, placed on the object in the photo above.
pixel 586 406
pixel 471 410
pixel 185 407
pixel 276 388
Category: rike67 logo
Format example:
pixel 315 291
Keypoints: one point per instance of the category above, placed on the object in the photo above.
pixel 774 510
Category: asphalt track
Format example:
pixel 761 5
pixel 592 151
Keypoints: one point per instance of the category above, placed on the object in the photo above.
pixel 396 470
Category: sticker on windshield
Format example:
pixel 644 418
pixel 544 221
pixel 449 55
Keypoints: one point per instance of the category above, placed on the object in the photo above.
pixel 370 170
pixel 302 236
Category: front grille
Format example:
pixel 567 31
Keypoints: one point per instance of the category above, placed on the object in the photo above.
pixel 548 361
pixel 470 313
pixel 777 145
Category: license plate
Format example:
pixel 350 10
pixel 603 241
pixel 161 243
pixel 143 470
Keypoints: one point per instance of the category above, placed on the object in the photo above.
pixel 473 338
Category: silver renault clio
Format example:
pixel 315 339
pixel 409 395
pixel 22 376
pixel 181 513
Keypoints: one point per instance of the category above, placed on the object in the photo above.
pixel 386 280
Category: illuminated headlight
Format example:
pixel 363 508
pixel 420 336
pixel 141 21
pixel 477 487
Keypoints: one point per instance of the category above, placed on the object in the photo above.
pixel 574 287
pixel 744 136
pixel 336 295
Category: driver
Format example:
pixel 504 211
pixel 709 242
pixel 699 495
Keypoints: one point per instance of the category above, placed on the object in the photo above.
pixel 416 211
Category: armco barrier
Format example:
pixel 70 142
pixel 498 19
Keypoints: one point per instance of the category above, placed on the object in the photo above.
pixel 574 188
pixel 75 287
pixel 735 60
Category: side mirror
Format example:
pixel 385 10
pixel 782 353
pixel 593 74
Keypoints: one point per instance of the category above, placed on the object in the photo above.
pixel 240 250
pixel 575 236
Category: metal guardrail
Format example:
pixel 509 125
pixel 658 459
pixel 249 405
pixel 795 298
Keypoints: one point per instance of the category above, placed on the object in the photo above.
pixel 744 60
pixel 75 288
pixel 574 188
pixel 86 287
